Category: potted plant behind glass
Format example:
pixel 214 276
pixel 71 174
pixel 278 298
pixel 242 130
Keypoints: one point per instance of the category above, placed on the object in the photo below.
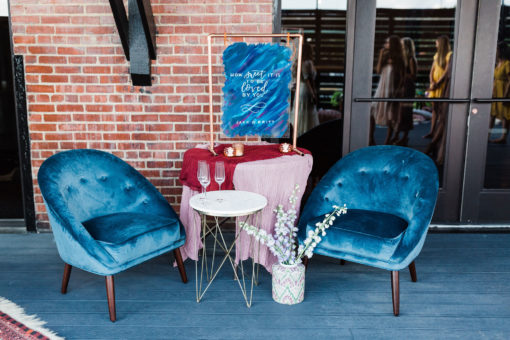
pixel 289 272
pixel 337 100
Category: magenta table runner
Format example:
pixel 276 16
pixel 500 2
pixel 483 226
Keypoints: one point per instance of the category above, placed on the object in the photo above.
pixel 274 178
pixel 252 153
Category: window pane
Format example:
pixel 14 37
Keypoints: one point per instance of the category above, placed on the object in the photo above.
pixel 412 55
pixel 322 78
pixel 497 166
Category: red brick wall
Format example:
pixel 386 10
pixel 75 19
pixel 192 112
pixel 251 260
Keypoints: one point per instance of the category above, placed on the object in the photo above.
pixel 79 90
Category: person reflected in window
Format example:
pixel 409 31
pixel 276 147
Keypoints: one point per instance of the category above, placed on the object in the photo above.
pixel 436 148
pixel 501 89
pixel 405 120
pixel 391 68
pixel 307 111
pixel 437 77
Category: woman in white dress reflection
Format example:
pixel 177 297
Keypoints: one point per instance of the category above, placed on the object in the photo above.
pixel 391 68
pixel 307 111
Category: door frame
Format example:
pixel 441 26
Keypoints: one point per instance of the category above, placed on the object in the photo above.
pixel 462 197
pixel 361 17
pixel 23 137
pixel 478 202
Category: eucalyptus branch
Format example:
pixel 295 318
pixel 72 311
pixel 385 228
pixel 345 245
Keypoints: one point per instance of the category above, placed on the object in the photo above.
pixel 282 244
pixel 314 236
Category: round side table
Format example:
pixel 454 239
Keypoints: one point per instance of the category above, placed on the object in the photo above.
pixel 218 204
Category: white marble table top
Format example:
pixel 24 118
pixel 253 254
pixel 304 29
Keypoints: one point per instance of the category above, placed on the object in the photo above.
pixel 233 203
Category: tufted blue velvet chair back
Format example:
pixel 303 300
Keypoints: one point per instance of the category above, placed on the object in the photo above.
pixel 390 179
pixel 95 183
pixel 106 216
pixel 79 185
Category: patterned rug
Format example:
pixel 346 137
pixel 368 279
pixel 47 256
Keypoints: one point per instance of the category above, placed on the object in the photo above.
pixel 16 325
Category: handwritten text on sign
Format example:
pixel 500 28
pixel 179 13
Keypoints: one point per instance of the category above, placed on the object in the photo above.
pixel 256 91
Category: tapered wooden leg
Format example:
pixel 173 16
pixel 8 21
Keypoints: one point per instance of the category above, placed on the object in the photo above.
pixel 110 293
pixel 395 294
pixel 412 270
pixel 180 265
pixel 342 262
pixel 65 279
pixel 305 262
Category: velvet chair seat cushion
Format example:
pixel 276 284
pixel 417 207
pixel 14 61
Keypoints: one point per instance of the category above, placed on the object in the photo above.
pixel 127 236
pixel 371 234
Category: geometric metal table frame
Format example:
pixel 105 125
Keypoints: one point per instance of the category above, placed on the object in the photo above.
pixel 253 205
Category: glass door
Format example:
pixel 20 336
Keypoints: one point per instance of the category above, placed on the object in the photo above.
pixel 486 186
pixel 410 79
pixel 323 25
pixel 433 75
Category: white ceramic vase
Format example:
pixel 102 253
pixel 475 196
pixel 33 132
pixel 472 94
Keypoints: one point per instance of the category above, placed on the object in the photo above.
pixel 288 283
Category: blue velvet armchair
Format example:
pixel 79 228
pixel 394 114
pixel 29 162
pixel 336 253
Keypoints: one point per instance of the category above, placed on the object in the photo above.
pixel 390 192
pixel 105 216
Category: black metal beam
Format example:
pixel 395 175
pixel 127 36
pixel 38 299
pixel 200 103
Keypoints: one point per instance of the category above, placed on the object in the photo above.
pixel 138 37
pixel 149 26
pixel 138 47
pixel 121 21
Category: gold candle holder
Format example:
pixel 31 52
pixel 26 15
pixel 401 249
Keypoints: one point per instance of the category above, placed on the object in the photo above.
pixel 228 152
pixel 285 148
pixel 238 149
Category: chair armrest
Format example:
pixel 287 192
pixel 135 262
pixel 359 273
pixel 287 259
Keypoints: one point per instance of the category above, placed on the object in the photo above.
pixel 72 239
pixel 411 243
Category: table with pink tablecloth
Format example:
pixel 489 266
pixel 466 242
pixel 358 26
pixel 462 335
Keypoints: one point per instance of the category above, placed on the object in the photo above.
pixel 273 178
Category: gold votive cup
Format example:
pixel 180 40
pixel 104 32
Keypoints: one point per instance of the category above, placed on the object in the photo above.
pixel 238 149
pixel 228 151
pixel 285 148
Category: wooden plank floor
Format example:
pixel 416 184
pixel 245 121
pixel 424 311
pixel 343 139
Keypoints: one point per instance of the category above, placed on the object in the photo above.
pixel 463 292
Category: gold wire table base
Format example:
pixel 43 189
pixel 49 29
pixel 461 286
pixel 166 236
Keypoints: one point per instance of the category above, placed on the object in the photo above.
pixel 211 273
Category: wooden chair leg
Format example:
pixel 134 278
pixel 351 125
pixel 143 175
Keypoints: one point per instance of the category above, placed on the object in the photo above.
pixel 65 278
pixel 412 270
pixel 305 262
pixel 180 265
pixel 395 294
pixel 110 293
pixel 342 262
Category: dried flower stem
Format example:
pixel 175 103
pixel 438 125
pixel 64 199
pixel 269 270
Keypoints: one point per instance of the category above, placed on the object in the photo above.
pixel 282 244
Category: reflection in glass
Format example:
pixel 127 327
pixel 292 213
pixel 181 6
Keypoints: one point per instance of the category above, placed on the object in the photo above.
pixel 322 76
pixel 499 110
pixel 440 79
pixel 391 70
pixel 405 123
pixel 323 26
pixel 497 166
pixel 308 117
pixel 412 54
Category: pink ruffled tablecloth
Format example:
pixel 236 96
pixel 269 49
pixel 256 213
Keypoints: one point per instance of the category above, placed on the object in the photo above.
pixel 275 179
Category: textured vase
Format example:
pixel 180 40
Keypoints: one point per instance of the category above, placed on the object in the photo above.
pixel 288 283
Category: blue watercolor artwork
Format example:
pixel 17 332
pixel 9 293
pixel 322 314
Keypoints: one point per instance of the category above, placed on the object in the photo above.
pixel 256 91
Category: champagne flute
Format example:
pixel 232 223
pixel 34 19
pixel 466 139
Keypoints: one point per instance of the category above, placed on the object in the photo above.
pixel 199 174
pixel 203 176
pixel 219 175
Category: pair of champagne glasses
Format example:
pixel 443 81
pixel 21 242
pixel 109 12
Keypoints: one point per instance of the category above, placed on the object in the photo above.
pixel 204 176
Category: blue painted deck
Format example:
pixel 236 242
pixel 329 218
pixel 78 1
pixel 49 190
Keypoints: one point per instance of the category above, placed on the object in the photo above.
pixel 463 292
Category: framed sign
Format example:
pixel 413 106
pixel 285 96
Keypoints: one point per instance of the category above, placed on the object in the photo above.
pixel 257 90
